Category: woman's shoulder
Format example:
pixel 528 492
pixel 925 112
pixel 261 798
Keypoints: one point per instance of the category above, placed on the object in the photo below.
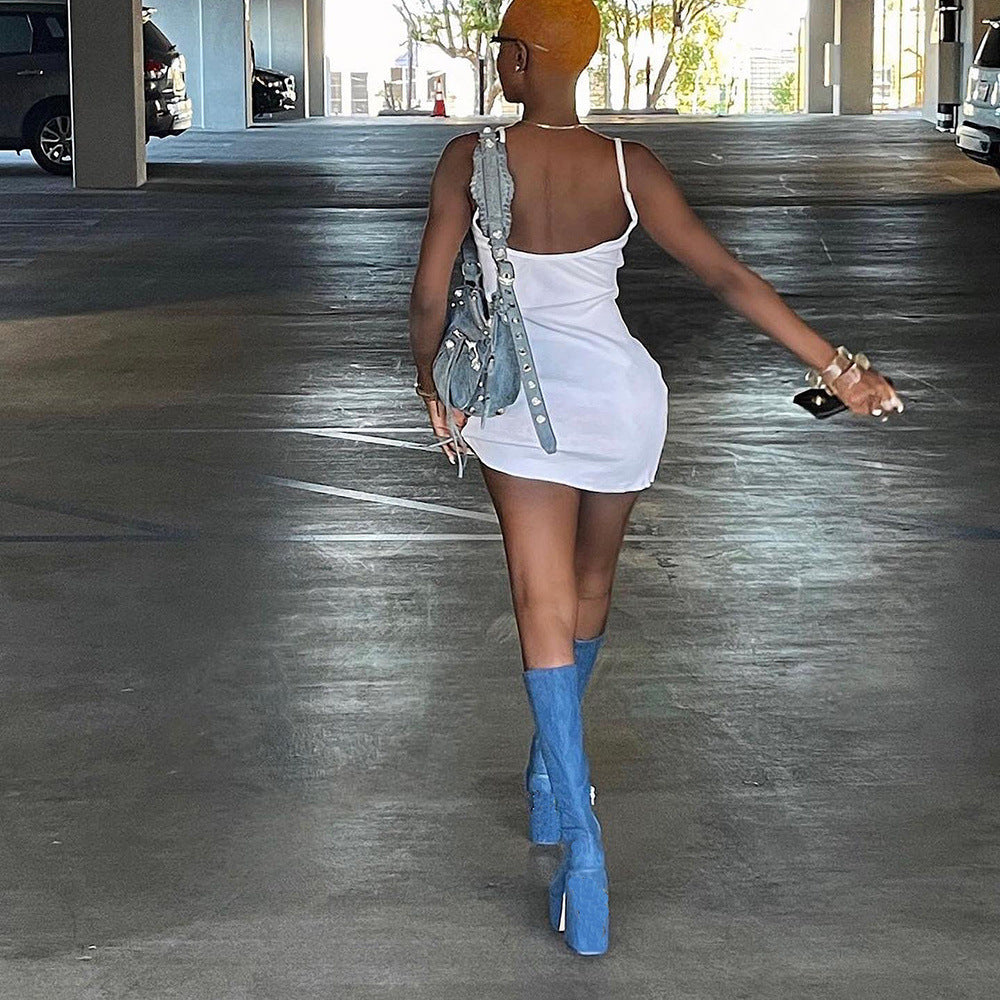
pixel 632 149
pixel 461 145
pixel 640 160
pixel 456 158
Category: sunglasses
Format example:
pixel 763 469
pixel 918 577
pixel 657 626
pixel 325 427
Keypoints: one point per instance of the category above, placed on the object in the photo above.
pixel 507 38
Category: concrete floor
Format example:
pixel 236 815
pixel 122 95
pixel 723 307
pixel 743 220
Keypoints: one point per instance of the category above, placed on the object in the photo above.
pixel 255 741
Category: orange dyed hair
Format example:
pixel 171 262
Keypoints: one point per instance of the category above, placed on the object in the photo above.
pixel 568 30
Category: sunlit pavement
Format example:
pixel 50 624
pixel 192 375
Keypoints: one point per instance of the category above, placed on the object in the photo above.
pixel 263 726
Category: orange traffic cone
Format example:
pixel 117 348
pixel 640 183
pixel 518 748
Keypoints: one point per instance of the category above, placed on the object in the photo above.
pixel 439 111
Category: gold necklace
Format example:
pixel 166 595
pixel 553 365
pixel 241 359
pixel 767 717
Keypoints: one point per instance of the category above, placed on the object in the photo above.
pixel 528 121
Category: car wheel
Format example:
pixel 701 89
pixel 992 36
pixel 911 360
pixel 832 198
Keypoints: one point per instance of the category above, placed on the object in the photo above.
pixel 52 142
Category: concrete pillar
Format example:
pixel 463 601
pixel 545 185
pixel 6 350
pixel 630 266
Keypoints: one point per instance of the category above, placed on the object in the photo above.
pixel 945 78
pixel 260 30
pixel 854 33
pixel 107 93
pixel 214 36
pixel 288 49
pixel 819 31
pixel 316 45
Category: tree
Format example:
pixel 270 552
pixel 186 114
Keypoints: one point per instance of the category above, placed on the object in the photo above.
pixel 461 29
pixel 620 21
pixel 676 20
pixel 698 73
pixel 784 93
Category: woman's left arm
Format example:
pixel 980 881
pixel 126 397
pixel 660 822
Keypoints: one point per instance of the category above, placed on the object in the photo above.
pixel 448 217
pixel 673 224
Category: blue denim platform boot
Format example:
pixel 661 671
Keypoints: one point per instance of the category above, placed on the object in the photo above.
pixel 543 821
pixel 578 893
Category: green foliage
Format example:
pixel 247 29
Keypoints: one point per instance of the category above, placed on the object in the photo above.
pixel 696 60
pixel 687 33
pixel 455 26
pixel 784 93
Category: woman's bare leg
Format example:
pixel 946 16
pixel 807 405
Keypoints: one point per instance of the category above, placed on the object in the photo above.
pixel 539 524
pixel 601 525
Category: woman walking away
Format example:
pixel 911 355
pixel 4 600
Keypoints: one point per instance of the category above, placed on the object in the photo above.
pixel 563 512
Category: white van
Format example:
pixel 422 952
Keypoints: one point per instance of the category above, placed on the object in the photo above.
pixel 979 134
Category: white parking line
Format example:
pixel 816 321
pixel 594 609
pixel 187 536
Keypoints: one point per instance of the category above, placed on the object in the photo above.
pixel 340 491
pixel 374 439
pixel 425 536
pixel 253 430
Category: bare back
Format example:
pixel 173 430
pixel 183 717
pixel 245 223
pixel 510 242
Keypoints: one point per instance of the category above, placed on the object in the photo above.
pixel 567 192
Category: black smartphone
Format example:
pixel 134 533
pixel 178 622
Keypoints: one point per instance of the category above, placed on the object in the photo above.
pixel 821 403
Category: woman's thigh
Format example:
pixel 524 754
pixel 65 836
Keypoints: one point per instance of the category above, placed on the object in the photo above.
pixel 601 524
pixel 538 520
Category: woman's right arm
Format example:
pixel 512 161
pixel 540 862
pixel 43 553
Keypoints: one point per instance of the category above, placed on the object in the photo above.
pixel 673 224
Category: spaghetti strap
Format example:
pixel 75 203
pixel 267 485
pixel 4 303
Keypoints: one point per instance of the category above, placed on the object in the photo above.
pixel 620 154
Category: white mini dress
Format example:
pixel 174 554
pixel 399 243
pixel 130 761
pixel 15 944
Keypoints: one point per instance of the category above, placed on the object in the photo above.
pixel 606 397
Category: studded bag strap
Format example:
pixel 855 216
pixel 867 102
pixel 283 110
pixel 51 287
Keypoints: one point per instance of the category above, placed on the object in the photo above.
pixel 498 192
pixel 471 272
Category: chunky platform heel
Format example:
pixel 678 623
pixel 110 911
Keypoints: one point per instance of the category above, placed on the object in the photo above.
pixel 578 893
pixel 579 905
pixel 543 820
pixel 585 911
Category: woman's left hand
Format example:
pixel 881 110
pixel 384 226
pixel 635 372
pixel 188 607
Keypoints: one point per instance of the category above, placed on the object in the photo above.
pixel 439 422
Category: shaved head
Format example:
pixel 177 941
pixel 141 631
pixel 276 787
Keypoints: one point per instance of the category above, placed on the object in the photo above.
pixel 562 34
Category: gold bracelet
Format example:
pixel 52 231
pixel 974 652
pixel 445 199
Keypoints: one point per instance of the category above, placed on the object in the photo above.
pixel 843 361
pixel 422 394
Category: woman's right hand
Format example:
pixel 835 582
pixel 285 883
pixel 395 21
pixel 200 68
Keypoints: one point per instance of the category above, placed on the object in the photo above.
pixel 439 422
pixel 871 395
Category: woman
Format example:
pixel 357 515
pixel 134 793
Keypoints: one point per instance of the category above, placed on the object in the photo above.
pixel 577 196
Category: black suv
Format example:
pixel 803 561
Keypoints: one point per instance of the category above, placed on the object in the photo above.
pixel 34 82
pixel 273 91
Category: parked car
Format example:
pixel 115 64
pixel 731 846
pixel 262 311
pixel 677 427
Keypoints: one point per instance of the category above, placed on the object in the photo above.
pixel 978 136
pixel 273 91
pixel 34 82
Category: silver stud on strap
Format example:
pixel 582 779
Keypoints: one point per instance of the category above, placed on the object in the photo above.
pixel 540 418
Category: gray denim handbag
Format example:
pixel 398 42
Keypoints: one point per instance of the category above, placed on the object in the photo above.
pixel 484 358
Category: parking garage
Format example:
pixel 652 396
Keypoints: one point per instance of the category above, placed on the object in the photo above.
pixel 263 728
